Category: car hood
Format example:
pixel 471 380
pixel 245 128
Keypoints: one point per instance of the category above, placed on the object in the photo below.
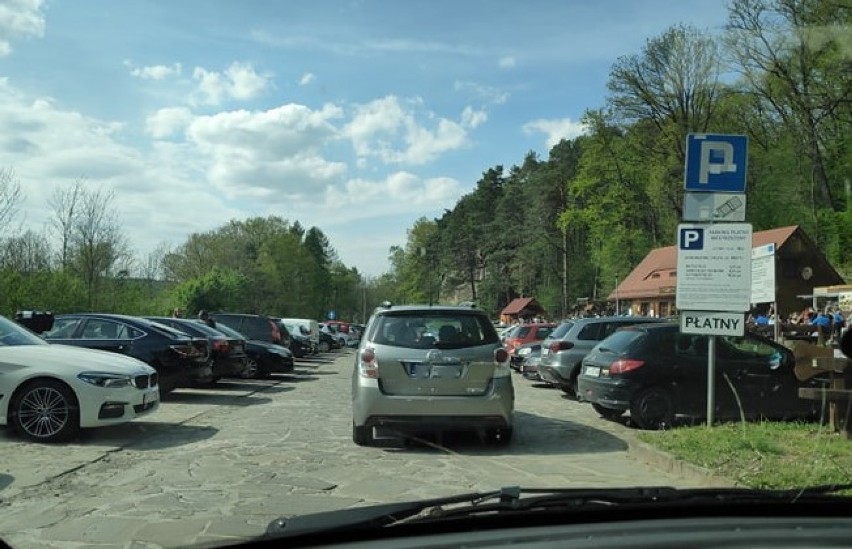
pixel 70 357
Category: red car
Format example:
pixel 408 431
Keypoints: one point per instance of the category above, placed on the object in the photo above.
pixel 527 333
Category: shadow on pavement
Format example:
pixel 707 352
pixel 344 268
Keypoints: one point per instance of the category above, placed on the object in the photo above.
pixel 142 435
pixel 532 435
pixel 6 480
pixel 215 398
pixel 297 377
pixel 249 386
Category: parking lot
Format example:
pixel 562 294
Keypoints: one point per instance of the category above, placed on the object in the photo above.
pixel 220 463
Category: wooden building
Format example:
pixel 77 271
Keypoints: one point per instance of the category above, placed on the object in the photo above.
pixel 649 290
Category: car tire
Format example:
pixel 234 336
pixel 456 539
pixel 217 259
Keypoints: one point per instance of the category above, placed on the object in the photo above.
pixel 501 436
pixel 607 413
pixel 250 368
pixel 652 408
pixel 362 435
pixel 324 346
pixel 45 410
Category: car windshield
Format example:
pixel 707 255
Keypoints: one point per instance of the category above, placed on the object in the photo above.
pixel 389 197
pixel 12 334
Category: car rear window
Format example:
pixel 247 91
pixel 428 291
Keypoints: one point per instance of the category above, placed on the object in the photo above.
pixel 522 331
pixel 621 342
pixel 426 329
pixel 561 330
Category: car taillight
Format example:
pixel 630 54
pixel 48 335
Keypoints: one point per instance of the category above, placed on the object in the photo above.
pixel 220 346
pixel 368 366
pixel 187 350
pixel 557 346
pixel 276 333
pixel 625 365
pixel 501 363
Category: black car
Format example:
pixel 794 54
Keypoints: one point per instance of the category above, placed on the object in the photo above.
pixel 656 373
pixel 180 359
pixel 327 342
pixel 227 354
pixel 263 358
pixel 253 327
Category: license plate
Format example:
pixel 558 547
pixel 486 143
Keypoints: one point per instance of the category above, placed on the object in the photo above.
pixel 446 372
pixel 593 371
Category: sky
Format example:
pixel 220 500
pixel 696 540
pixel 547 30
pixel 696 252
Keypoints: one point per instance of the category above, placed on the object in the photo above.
pixel 358 117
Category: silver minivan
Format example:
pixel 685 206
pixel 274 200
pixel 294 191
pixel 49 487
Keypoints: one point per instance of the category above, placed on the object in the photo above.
pixel 431 368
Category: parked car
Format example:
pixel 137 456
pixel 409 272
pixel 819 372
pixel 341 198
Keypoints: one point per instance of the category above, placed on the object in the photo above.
pixel 256 327
pixel 431 368
pixel 49 392
pixel 657 373
pixel 529 367
pixel 340 339
pixel 307 327
pixel 517 356
pixel 327 342
pixel 301 342
pixel 263 358
pixel 562 352
pixel 227 355
pixel 527 333
pixel 180 360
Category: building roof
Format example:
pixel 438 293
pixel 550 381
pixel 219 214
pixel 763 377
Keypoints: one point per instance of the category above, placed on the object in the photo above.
pixel 519 304
pixel 656 275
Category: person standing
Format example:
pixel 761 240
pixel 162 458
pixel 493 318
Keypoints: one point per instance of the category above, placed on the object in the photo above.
pixel 204 316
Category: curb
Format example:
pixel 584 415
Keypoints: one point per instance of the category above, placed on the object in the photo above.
pixel 670 464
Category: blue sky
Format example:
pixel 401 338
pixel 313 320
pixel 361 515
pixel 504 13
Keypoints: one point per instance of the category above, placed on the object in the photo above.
pixel 358 117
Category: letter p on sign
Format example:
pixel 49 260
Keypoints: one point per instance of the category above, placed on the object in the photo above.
pixel 691 238
pixel 716 157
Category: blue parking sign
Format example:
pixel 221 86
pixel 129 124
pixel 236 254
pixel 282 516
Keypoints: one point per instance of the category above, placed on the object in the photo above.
pixel 716 163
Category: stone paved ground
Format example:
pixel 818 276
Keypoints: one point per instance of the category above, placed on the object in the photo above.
pixel 217 465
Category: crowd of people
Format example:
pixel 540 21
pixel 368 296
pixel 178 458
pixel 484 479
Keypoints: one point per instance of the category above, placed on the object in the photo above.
pixel 828 323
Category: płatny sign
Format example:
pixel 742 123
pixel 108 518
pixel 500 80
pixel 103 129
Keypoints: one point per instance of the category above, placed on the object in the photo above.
pixel 712 323
pixel 714 267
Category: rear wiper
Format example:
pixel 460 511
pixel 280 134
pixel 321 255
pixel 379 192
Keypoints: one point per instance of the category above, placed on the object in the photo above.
pixel 510 499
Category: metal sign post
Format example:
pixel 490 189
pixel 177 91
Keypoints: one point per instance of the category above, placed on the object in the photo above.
pixel 714 255
pixel 711 379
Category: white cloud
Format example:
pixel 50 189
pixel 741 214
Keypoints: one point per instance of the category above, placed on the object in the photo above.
pixel 385 129
pixel 239 81
pixel 471 118
pixel 507 62
pixel 18 19
pixel 555 129
pixel 274 151
pixel 168 122
pixel 307 78
pixel 488 94
pixel 156 72
pixel 399 192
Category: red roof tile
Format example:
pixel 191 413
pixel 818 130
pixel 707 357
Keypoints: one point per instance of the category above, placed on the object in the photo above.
pixel 517 305
pixel 656 274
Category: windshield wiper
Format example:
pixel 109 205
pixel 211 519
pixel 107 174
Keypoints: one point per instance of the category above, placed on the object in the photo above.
pixel 510 499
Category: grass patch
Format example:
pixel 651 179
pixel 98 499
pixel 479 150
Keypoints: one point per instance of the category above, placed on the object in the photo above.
pixel 762 455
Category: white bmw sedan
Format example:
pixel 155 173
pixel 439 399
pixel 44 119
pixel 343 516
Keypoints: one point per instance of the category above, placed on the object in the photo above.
pixel 49 392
